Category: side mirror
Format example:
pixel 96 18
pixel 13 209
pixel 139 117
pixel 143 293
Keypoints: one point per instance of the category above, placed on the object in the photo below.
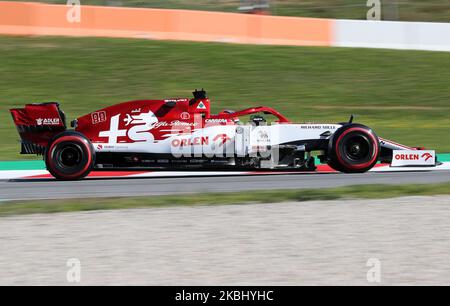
pixel 351 119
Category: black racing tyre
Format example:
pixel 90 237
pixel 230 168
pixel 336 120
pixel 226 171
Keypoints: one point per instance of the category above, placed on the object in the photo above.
pixel 69 156
pixel 353 148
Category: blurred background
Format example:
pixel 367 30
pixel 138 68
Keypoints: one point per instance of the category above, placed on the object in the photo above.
pixel 407 10
pixel 403 94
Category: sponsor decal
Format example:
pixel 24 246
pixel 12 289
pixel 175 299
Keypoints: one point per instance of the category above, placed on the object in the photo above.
pixel 98 117
pixel 407 156
pixel 318 127
pixel 427 156
pixel 263 136
pixel 259 149
pixel 141 125
pixel 185 116
pixel 176 100
pixel 413 158
pixel 201 140
pixel 215 120
pixel 195 141
pixel 100 147
pixel 144 118
pixel 175 123
pixel 201 105
pixel 48 121
pixel 138 127
pixel 222 138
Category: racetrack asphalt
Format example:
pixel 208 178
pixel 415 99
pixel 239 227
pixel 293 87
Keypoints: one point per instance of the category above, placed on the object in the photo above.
pixel 51 189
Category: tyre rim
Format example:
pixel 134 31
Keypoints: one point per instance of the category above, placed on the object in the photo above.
pixel 69 156
pixel 357 148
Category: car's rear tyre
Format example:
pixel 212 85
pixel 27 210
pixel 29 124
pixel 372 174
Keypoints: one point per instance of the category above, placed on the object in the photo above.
pixel 354 148
pixel 70 156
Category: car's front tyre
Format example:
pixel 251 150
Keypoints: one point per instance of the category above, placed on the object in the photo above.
pixel 354 148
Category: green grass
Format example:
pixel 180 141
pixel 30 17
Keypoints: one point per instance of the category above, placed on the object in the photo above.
pixel 275 196
pixel 403 95
pixel 411 10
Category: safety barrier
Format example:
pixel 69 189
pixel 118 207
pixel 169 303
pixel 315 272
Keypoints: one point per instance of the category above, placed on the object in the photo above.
pixel 392 35
pixel 46 19
pixel 28 18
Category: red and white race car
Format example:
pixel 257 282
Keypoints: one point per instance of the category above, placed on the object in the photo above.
pixel 182 133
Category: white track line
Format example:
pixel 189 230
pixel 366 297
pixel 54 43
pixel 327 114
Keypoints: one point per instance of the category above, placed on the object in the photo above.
pixel 444 166
pixel 15 174
pixel 21 174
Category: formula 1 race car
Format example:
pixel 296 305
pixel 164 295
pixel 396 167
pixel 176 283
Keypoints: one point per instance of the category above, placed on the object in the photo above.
pixel 182 133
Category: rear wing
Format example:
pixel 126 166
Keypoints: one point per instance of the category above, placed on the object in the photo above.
pixel 37 124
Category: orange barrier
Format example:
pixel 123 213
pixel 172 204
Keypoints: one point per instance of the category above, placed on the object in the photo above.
pixel 28 18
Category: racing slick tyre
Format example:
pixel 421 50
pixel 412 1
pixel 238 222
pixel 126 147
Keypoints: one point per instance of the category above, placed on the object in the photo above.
pixel 69 156
pixel 354 148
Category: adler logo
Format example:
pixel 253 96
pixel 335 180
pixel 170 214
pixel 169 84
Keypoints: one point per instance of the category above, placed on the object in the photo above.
pixel 47 121
pixel 413 158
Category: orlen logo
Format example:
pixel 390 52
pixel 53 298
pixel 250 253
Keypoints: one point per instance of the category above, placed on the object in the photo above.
pixel 413 158
pixel 407 156
pixel 190 142
pixel 47 121
pixel 196 141
pixel 427 156
pixel 223 138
